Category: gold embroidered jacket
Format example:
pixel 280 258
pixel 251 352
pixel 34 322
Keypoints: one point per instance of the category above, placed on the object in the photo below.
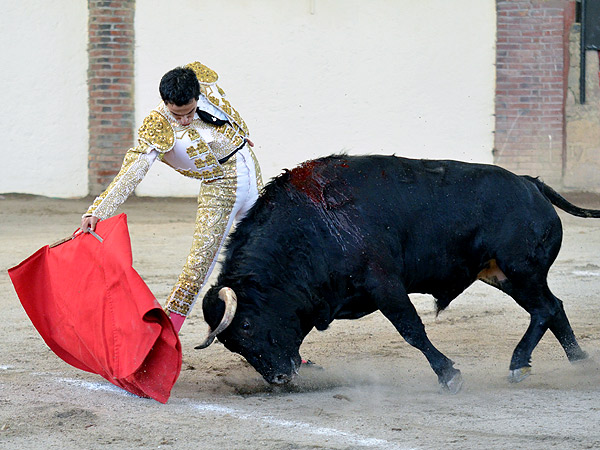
pixel 193 150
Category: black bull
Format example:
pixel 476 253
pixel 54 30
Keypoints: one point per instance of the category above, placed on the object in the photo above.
pixel 344 236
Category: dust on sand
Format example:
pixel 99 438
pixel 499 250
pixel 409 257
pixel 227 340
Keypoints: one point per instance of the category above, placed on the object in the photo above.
pixel 374 391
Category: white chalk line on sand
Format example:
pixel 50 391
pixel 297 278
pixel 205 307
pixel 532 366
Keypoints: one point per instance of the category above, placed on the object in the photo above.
pixel 586 273
pixel 96 386
pixel 211 408
pixel 352 438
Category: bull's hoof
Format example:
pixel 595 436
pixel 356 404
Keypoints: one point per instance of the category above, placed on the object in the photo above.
pixel 518 375
pixel 453 385
pixel 577 356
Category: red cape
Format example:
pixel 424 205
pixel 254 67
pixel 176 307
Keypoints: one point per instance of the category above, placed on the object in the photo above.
pixel 97 314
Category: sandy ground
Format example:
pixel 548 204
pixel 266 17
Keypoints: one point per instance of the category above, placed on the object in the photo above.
pixel 374 392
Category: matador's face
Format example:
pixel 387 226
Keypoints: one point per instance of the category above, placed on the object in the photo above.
pixel 184 114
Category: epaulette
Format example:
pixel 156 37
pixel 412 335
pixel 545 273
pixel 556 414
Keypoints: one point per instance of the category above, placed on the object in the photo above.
pixel 157 131
pixel 204 74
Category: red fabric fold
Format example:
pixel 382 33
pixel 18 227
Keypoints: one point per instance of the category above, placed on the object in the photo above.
pixel 96 313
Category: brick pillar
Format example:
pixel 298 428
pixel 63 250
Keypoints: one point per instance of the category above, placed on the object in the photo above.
pixel 111 88
pixel 582 170
pixel 531 86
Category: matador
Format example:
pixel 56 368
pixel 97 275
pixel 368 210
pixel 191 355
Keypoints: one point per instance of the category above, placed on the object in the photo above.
pixel 197 132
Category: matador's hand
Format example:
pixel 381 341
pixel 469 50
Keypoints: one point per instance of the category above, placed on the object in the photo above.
pixel 250 143
pixel 89 222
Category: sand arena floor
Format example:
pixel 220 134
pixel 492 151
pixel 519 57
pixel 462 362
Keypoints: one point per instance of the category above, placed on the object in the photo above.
pixel 374 392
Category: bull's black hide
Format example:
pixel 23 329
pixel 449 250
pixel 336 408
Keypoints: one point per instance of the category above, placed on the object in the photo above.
pixel 344 236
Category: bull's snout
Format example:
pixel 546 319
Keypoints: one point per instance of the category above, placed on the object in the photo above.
pixel 281 378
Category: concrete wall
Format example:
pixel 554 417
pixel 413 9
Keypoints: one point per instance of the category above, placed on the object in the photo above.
pixel 313 77
pixel 44 112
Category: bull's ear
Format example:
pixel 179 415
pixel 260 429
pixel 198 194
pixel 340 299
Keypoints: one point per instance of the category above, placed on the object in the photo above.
pixel 322 316
pixel 213 307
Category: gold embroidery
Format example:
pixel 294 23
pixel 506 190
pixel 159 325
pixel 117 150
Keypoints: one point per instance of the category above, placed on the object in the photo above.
pixel 214 100
pixel 238 141
pixel 157 131
pixel 194 152
pixel 209 160
pixel 207 175
pixel 134 168
pixel 182 297
pixel 203 73
pixel 229 132
pixel 178 130
pixel 220 141
pixel 226 107
pixel 238 120
pixel 214 173
pixel 259 181
pixel 215 202
pixel 224 139
pixel 193 134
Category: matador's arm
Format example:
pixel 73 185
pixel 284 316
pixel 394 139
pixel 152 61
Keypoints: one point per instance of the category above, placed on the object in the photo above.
pixel 136 164
pixel 155 138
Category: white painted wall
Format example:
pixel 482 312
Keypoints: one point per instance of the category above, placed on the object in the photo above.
pixel 44 112
pixel 310 77
pixel 314 77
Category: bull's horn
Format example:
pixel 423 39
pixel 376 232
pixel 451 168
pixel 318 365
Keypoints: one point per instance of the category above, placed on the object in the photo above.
pixel 228 296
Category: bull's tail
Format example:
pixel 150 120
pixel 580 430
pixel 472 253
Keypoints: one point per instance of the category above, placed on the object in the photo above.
pixel 560 202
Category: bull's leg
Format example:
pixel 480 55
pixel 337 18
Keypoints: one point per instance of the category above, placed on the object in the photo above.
pixel 546 313
pixel 411 328
pixel 520 367
pixel 395 305
pixel 531 296
pixel 561 328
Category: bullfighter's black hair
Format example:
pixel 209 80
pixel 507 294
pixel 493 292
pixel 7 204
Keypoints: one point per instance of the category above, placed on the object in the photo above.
pixel 179 86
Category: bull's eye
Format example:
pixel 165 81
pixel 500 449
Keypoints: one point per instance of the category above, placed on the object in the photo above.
pixel 245 325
